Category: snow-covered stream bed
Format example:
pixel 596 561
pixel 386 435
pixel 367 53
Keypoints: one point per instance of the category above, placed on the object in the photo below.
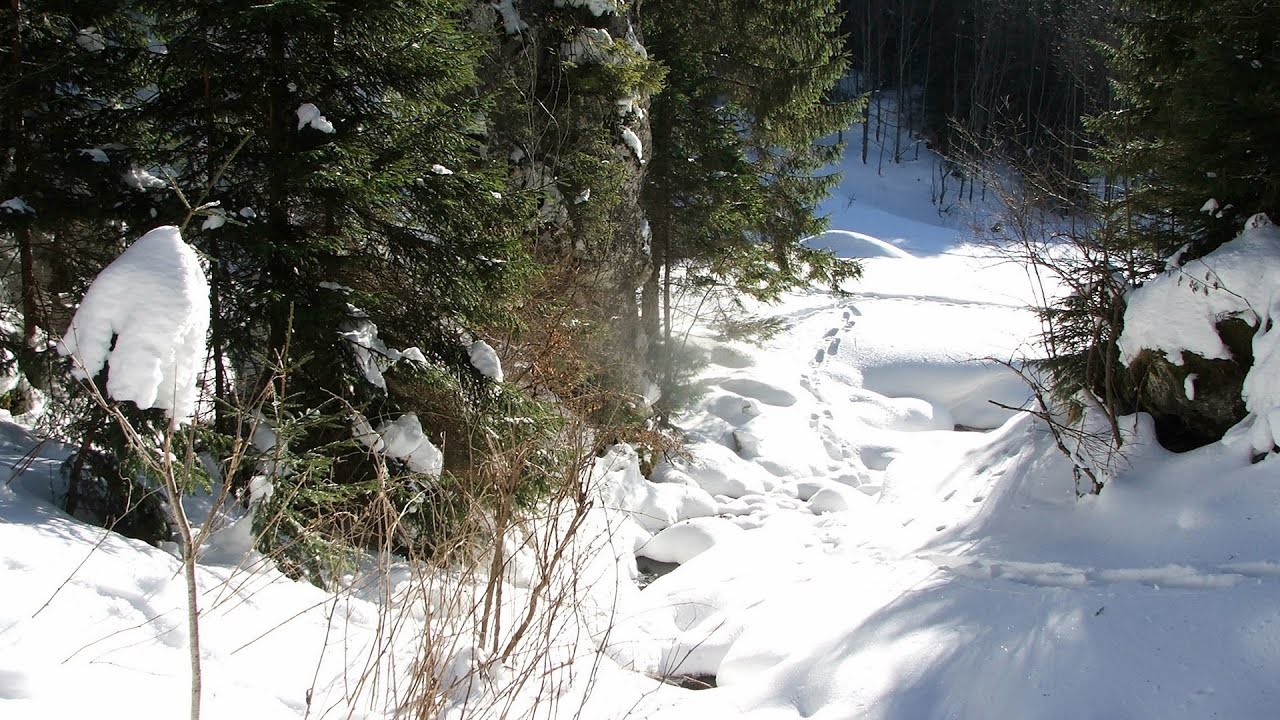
pixel 866 560
pixel 843 551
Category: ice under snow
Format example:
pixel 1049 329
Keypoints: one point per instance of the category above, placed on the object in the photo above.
pixel 145 317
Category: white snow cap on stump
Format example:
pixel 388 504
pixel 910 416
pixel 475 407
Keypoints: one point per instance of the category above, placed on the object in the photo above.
pixel 154 300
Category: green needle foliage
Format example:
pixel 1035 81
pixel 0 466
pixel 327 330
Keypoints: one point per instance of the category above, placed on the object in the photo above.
pixel 1197 98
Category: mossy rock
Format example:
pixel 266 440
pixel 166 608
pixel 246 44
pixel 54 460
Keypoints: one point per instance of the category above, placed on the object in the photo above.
pixel 1159 388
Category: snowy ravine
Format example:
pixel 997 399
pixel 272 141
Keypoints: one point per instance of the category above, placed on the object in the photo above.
pixel 863 559
pixel 844 550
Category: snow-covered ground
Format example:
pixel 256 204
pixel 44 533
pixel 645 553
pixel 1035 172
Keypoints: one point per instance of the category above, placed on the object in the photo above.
pixel 859 532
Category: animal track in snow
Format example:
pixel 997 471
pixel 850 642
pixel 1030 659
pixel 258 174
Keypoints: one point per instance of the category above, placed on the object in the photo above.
pixel 1053 574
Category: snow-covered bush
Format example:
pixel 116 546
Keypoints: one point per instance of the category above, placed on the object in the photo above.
pixel 145 318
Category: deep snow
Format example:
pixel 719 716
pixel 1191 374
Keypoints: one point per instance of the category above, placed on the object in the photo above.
pixel 844 550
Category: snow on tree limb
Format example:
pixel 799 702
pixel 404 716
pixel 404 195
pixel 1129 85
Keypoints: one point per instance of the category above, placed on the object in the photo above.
pixel 153 301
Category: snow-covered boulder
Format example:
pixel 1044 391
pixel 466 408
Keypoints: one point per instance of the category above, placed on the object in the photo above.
pixel 153 301
pixel 1189 334
pixel 689 538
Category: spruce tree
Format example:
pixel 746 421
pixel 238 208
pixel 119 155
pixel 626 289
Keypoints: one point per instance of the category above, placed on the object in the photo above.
pixel 343 145
pixel 738 138
pixel 70 72
pixel 1197 98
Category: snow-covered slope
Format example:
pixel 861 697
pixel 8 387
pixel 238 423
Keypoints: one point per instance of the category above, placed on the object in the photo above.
pixel 844 550
pixel 891 567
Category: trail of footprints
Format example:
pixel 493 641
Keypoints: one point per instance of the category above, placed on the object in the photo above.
pixel 833 335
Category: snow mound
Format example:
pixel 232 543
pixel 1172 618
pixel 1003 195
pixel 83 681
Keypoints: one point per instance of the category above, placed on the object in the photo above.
pixel 653 505
pixel 836 498
pixel 687 539
pixel 153 301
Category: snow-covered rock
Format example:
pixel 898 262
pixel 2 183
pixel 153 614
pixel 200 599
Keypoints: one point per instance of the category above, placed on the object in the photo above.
pixel 687 539
pixel 1179 311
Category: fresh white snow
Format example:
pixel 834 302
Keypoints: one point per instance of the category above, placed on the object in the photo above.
pixel 843 550
pixel 633 143
pixel 145 318
pixel 309 114
pixel 1178 311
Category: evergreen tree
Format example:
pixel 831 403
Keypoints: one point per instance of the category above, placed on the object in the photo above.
pixel 1197 99
pixel 356 212
pixel 70 72
pixel 738 138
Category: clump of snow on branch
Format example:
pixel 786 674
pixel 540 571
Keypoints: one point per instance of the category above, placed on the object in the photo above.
pixel 17 206
pixel 140 179
pixel 309 114
pixel 597 7
pixel 485 359
pixel 511 20
pixel 403 440
pixel 373 357
pixel 217 218
pixel 153 301
pixel 633 141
